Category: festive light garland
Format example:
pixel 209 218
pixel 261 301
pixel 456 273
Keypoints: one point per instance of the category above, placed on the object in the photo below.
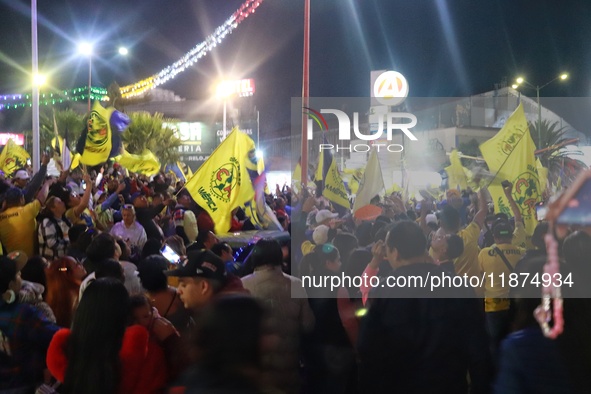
pixel 193 56
pixel 13 101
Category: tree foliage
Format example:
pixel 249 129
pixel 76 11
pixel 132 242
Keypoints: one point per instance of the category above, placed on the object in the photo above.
pixel 147 131
pixel 552 137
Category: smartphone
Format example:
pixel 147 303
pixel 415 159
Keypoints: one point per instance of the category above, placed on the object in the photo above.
pixel 578 209
pixel 505 184
pixel 170 254
pixel 83 185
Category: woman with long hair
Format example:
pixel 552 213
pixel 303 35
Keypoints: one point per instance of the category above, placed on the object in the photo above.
pixel 53 229
pixel 99 354
pixel 64 276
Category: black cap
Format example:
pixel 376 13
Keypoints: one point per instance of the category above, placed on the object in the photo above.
pixel 502 229
pixel 136 195
pixel 200 263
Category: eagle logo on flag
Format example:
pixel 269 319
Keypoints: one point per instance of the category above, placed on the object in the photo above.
pixel 224 180
pixel 98 129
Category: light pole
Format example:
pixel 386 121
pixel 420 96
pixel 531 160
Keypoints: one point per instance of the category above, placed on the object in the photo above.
pixel 224 90
pixel 522 80
pixel 85 48
pixel 35 93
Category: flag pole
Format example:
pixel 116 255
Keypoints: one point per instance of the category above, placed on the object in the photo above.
pixel 305 93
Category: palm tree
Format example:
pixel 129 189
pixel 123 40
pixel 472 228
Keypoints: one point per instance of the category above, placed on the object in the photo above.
pixel 552 156
pixel 66 120
pixel 146 131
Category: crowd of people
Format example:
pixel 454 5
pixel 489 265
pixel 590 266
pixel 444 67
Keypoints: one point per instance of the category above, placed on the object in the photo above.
pixel 116 283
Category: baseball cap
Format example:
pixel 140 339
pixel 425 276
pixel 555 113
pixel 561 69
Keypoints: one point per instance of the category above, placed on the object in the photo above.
pixel 431 218
pixel 320 234
pixel 502 229
pixel 135 195
pixel 325 214
pixel 21 174
pixel 201 263
pixel 98 195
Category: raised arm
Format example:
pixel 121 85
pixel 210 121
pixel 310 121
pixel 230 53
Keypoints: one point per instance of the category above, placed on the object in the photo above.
pixel 508 189
pixel 85 197
pixel 480 215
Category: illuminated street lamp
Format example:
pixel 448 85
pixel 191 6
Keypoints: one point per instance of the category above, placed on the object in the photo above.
pixel 39 80
pixel 521 80
pixel 87 49
pixel 223 91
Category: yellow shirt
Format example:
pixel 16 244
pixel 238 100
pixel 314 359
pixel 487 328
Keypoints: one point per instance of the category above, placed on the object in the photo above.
pixel 84 218
pixel 496 296
pixel 18 228
pixel 467 263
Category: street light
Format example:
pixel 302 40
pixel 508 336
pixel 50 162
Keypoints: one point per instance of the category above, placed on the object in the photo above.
pixel 224 90
pixel 87 49
pixel 521 80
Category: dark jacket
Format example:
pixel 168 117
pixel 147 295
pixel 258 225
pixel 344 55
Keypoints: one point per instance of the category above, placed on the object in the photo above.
pixel 531 363
pixel 414 340
pixel 145 217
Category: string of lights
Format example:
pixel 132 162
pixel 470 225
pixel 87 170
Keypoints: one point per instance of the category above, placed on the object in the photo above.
pixel 13 101
pixel 196 53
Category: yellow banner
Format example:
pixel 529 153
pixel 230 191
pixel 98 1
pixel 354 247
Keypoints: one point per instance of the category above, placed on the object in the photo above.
pixel 222 183
pixel 456 175
pixel 510 156
pixel 98 143
pixel 146 163
pixel 13 158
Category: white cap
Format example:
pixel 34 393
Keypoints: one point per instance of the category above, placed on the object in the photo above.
pixel 320 234
pixel 325 214
pixel 97 195
pixel 431 218
pixel 21 174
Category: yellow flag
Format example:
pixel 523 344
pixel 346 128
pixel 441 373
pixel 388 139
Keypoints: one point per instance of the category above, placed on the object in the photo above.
pixel 75 161
pixel 543 175
pixel 95 143
pixel 146 163
pixel 455 172
pixel 510 156
pixel 13 158
pixel 222 183
pixel 184 167
pixel 296 176
pixel 334 188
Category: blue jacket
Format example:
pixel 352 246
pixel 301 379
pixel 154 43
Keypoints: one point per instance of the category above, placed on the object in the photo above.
pixel 531 363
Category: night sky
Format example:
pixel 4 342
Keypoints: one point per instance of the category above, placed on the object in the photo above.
pixel 444 48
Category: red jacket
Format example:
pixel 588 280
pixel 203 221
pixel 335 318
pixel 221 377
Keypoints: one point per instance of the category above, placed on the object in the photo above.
pixel 142 361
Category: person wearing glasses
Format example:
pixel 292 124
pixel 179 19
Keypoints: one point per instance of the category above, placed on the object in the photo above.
pixel 130 230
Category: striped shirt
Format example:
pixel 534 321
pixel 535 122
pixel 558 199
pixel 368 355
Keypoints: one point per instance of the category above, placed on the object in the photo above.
pixel 52 244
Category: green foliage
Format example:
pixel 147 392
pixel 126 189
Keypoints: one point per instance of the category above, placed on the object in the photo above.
pixel 66 120
pixel 469 148
pixel 555 159
pixel 147 132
